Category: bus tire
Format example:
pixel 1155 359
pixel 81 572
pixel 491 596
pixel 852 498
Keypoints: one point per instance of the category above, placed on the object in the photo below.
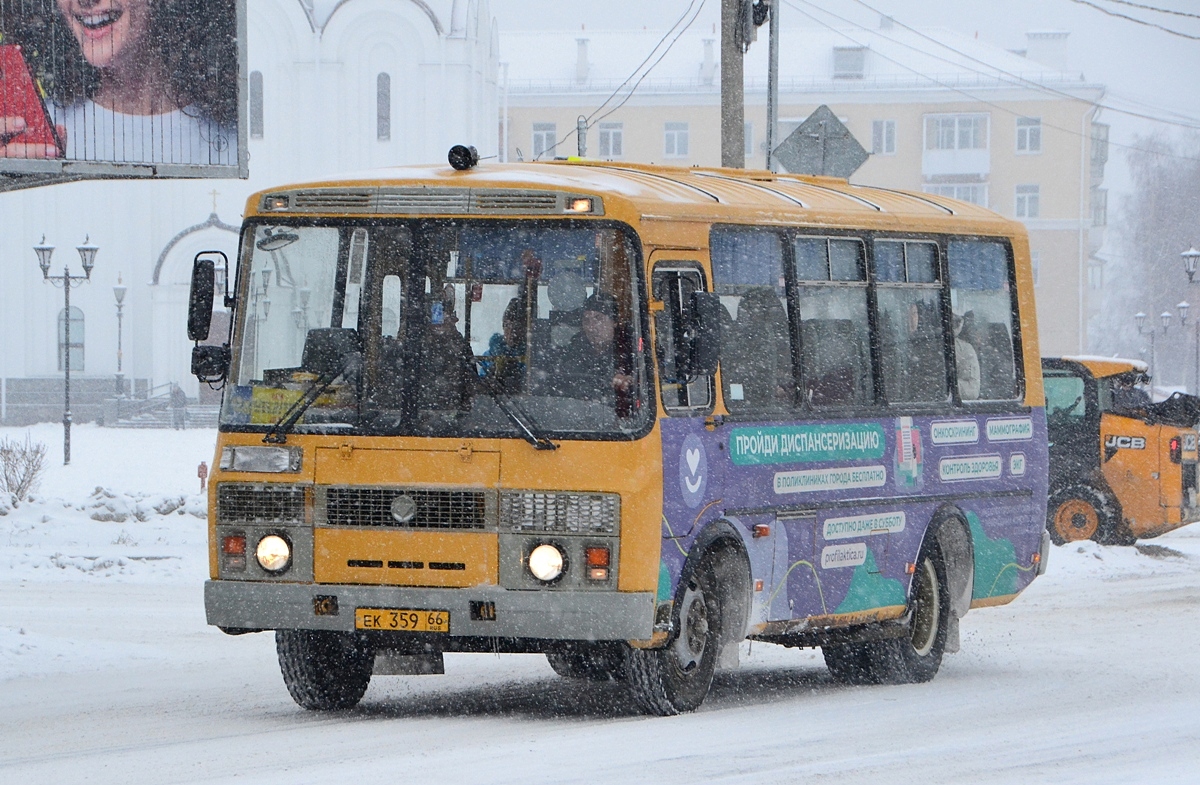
pixel 591 661
pixel 676 679
pixel 1080 512
pixel 914 658
pixel 324 670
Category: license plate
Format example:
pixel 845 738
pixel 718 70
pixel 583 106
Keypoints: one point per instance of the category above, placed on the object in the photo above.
pixel 401 620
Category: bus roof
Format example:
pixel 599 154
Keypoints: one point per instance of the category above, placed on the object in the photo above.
pixel 1102 367
pixel 648 192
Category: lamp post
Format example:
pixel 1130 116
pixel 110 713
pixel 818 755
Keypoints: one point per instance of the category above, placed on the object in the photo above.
pixel 1165 318
pixel 1190 257
pixel 119 296
pixel 87 255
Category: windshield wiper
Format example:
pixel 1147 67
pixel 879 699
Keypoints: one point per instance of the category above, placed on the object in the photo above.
pixel 277 433
pixel 523 421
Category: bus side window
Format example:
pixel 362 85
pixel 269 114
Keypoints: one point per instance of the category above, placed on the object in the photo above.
pixel 911 336
pixel 756 354
pixel 983 305
pixel 831 295
pixel 674 286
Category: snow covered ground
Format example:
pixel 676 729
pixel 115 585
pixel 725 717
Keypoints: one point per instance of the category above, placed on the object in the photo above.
pixel 109 674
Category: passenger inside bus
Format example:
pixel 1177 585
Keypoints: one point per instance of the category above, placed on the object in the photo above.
pixel 756 356
pixel 447 366
pixel 506 350
pixel 966 360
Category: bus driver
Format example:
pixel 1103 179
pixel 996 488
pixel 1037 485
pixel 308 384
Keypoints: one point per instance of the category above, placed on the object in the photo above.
pixel 587 363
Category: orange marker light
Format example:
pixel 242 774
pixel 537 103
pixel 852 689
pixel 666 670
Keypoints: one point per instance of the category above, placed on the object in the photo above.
pixel 758 585
pixel 597 556
pixel 910 568
pixel 1037 557
pixel 761 530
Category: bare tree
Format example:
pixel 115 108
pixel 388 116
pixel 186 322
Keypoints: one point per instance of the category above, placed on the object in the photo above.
pixel 21 466
pixel 1154 224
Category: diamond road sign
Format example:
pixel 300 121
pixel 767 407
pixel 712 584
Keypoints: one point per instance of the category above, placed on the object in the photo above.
pixel 821 145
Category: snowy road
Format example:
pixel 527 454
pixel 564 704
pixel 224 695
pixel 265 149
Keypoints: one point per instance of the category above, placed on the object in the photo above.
pixel 109 675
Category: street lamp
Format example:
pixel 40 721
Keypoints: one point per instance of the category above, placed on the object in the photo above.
pixel 1165 318
pixel 87 255
pixel 119 296
pixel 1190 257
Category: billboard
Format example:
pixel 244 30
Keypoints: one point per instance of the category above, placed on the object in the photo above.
pixel 121 88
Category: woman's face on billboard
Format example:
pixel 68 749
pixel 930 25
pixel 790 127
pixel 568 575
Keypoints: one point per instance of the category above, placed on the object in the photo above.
pixel 108 31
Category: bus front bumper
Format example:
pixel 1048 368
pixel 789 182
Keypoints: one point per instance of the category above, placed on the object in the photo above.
pixel 549 615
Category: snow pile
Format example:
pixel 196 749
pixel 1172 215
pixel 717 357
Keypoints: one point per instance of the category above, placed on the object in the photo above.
pixel 128 507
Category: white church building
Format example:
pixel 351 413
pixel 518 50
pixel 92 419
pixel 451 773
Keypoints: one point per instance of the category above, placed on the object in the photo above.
pixel 333 85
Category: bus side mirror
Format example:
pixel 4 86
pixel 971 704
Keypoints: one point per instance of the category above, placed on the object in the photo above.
pixel 200 299
pixel 705 333
pixel 210 364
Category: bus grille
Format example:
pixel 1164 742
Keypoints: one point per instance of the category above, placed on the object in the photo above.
pixel 560 513
pixel 260 503
pixel 435 509
pixel 429 201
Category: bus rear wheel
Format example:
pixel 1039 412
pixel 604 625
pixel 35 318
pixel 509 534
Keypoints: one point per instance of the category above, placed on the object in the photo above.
pixel 676 679
pixel 324 670
pixel 914 658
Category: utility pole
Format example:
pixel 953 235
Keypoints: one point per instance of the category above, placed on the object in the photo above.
pixel 733 101
pixel 772 83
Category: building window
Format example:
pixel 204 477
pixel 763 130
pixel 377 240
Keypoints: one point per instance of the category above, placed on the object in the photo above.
pixel 76 338
pixel 748 136
pixel 612 140
pixel 883 137
pixel 383 107
pixel 675 140
pixel 975 193
pixel 544 139
pixel 1028 198
pixel 1035 262
pixel 1099 207
pixel 849 62
pixel 1095 274
pixel 256 105
pixel 956 132
pixel 1029 134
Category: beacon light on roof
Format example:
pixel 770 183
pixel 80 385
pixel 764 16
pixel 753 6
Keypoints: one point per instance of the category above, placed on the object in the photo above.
pixel 463 157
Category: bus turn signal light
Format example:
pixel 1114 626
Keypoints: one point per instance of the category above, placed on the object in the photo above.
pixel 234 545
pixel 597 558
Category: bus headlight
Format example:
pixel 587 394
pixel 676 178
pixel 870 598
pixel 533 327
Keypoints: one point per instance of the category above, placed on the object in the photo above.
pixel 547 562
pixel 274 554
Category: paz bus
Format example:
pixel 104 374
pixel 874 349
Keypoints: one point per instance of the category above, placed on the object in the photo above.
pixel 626 416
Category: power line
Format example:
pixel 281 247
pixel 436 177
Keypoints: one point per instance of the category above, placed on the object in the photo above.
pixel 1126 17
pixel 1155 9
pixel 1188 122
pixel 961 91
pixel 651 68
pixel 588 120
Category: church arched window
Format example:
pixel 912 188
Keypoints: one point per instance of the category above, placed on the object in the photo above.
pixel 383 107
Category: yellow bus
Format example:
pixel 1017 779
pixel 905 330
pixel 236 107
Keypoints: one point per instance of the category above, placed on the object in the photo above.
pixel 627 416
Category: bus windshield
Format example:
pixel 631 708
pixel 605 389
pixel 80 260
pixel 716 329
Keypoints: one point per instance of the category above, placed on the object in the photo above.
pixel 462 328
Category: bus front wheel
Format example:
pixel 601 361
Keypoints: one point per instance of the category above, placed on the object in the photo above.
pixel 324 670
pixel 676 679
pixel 910 659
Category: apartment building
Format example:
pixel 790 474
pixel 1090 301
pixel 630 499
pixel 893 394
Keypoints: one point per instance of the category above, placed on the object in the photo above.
pixel 939 111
